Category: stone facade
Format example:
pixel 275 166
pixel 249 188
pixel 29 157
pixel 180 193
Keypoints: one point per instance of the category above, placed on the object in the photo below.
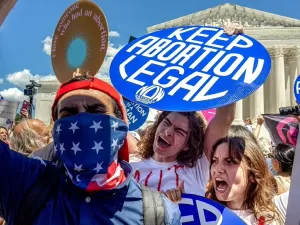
pixel 281 37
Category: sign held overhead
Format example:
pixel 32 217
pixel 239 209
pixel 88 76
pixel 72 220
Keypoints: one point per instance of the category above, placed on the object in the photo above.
pixel 190 68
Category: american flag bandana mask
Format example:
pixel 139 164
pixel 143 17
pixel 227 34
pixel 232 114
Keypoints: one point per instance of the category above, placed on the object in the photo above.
pixel 88 145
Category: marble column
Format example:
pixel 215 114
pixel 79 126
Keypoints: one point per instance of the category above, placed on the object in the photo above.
pixel 239 119
pixel 279 79
pixel 257 103
pixel 293 76
pixel 269 91
pixel 287 72
pixel 294 70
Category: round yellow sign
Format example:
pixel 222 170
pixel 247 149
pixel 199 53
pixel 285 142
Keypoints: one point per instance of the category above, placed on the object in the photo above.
pixel 80 40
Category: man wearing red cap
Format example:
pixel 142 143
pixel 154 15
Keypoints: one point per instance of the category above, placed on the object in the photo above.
pixel 93 183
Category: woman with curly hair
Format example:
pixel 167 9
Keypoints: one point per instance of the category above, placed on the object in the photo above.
pixel 240 180
pixel 172 151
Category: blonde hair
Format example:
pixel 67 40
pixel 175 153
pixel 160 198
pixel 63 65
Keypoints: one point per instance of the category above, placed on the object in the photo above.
pixel 27 141
pixel 260 193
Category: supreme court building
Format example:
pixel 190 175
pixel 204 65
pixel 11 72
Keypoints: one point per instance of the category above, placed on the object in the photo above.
pixel 280 35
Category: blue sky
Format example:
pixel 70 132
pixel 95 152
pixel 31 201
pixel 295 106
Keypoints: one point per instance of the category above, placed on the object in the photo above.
pixel 23 53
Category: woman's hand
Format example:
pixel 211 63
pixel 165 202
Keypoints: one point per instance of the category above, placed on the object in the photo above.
pixel 174 195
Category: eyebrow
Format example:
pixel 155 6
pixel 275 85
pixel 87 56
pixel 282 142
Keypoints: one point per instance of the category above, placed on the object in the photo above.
pixel 178 128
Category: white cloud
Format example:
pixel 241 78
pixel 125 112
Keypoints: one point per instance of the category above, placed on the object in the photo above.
pixel 21 78
pixel 13 94
pixel 113 34
pixel 47 45
pixel 111 52
pixel 1 81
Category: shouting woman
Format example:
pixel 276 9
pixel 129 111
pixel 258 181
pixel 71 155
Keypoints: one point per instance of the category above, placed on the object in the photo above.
pixel 240 180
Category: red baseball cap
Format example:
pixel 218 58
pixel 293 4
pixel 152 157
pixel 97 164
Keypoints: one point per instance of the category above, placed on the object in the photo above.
pixel 95 84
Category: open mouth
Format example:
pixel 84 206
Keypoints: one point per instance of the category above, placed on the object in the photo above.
pixel 163 143
pixel 221 184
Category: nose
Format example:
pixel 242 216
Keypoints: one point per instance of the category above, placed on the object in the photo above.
pixel 219 169
pixel 81 108
pixel 169 131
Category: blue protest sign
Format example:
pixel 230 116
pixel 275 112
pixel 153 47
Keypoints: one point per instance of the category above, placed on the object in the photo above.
pixel 199 210
pixel 189 68
pixel 136 114
pixel 297 89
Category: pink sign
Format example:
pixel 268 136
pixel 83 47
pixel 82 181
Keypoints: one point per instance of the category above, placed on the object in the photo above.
pixel 209 114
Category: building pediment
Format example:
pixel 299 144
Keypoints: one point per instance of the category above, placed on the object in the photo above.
pixel 223 14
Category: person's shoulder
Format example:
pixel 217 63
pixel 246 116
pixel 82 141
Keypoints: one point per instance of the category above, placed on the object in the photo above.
pixel 139 163
pixel 281 202
pixel 282 199
pixel 46 153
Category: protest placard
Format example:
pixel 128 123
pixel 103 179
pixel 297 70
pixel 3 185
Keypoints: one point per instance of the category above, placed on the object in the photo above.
pixel 190 68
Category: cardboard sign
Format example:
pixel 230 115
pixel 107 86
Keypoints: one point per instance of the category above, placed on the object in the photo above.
pixel 6 123
pixel 297 89
pixel 8 109
pixel 202 211
pixel 209 114
pixel 136 114
pixel 190 68
pixel 80 40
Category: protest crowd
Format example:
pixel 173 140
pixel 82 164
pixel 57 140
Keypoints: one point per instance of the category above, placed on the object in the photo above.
pixel 178 153
pixel 50 173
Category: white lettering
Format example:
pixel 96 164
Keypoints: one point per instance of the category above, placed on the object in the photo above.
pixel 235 43
pixel 122 66
pixel 190 218
pixel 201 96
pixel 186 54
pixel 297 87
pixel 162 56
pixel 213 61
pixel 201 206
pixel 177 33
pixel 170 78
pixel 199 34
pixel 192 88
pixel 131 117
pixel 217 36
pixel 233 66
pixel 158 47
pixel 247 68
pixel 140 44
pixel 140 110
pixel 202 56
pixel 143 70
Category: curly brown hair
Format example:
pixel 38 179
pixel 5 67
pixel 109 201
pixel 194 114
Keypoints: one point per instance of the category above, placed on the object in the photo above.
pixel 260 194
pixel 197 125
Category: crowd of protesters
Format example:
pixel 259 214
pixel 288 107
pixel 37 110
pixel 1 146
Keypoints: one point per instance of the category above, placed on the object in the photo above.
pixel 179 153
